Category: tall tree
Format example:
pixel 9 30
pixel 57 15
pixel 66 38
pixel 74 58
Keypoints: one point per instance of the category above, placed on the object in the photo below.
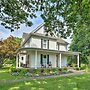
pixel 9 46
pixel 61 16
pixel 81 42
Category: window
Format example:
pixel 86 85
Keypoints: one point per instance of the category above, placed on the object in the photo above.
pixel 45 44
pixel 44 60
pixel 22 58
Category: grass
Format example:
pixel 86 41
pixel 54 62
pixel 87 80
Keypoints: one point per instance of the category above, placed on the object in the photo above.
pixel 6 75
pixel 77 82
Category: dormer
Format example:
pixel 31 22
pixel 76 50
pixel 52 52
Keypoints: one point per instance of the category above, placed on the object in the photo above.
pixel 61 44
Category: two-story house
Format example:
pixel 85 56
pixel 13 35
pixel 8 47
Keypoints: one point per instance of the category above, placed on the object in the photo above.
pixel 41 50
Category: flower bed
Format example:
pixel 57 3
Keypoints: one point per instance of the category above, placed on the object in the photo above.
pixel 39 72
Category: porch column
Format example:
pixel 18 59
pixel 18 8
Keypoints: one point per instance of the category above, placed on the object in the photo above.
pixel 78 60
pixel 36 59
pixel 60 60
pixel 17 61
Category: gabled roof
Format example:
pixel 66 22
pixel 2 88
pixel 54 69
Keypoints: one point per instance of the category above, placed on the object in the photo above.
pixel 35 30
pixel 25 35
pixel 61 41
pixel 33 33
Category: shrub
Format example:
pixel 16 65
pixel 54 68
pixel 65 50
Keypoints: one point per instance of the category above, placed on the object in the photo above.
pixel 18 70
pixel 29 74
pixel 13 70
pixel 47 70
pixel 36 71
pixel 24 71
pixel 64 69
pixel 31 71
pixel 1 62
pixel 42 70
pixel 60 69
pixel 54 69
pixel 15 74
pixel 76 68
pixel 1 65
pixel 83 66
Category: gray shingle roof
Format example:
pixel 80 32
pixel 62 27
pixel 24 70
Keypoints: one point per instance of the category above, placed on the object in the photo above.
pixel 47 50
pixel 25 35
pixel 60 40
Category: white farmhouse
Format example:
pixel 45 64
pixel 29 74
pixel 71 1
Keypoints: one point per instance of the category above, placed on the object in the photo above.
pixel 41 50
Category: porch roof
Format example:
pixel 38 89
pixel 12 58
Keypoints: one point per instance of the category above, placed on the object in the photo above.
pixel 48 50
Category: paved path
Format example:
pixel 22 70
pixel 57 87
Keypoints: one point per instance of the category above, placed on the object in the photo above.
pixel 41 77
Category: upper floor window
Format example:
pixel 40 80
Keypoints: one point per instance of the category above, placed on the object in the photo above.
pixel 44 43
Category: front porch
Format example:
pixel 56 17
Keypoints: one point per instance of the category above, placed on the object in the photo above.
pixel 38 58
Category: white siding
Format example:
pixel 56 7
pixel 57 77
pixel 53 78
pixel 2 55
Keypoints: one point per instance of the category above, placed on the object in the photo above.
pixel 24 58
pixel 52 44
pixel 63 61
pixel 62 47
pixel 52 58
pixel 32 59
pixel 35 42
pixel 41 30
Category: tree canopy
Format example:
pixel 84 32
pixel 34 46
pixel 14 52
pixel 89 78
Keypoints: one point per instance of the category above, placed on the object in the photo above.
pixel 81 42
pixel 61 16
pixel 9 46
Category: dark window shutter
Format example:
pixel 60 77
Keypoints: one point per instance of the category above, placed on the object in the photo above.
pixel 28 59
pixel 48 44
pixel 41 59
pixel 41 43
pixel 58 46
pixel 47 59
pixel 18 60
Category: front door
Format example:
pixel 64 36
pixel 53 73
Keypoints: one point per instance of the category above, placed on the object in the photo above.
pixel 45 60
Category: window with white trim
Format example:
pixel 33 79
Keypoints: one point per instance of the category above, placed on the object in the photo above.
pixel 45 43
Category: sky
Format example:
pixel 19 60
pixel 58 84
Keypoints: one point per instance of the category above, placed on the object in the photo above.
pixel 4 33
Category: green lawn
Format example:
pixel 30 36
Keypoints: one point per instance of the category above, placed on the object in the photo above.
pixel 6 75
pixel 77 82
